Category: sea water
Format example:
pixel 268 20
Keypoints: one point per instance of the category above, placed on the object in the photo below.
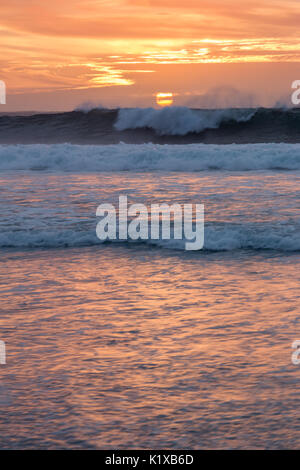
pixel 142 344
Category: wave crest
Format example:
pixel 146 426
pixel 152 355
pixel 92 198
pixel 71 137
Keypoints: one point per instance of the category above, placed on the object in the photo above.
pixel 176 120
pixel 225 237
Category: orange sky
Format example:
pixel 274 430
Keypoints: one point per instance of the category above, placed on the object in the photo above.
pixel 56 55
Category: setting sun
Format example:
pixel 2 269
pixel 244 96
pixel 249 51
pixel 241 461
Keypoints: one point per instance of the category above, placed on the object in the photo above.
pixel 164 99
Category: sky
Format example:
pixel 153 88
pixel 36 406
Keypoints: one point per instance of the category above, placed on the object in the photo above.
pixel 209 53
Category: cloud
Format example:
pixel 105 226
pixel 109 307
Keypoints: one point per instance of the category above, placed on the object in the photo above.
pixel 99 44
pixel 153 18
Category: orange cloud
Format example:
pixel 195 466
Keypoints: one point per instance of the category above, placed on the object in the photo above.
pixel 153 18
pixel 82 44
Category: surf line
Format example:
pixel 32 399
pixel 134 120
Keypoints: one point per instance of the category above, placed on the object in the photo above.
pixel 161 222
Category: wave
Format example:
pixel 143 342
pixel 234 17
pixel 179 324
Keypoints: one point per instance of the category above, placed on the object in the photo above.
pixel 171 125
pixel 218 237
pixel 179 120
pixel 149 157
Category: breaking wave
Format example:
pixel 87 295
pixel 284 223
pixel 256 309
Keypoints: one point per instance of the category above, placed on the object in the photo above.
pixel 171 125
pixel 225 237
pixel 150 157
pixel 178 120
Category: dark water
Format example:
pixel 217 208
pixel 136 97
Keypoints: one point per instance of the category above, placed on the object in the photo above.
pixel 208 126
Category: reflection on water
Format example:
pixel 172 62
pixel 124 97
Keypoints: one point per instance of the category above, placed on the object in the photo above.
pixel 118 347
pixel 258 210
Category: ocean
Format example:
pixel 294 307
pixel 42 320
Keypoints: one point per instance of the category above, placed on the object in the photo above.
pixel 141 344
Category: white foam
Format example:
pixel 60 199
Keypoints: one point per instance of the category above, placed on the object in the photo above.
pixel 149 157
pixel 228 237
pixel 176 120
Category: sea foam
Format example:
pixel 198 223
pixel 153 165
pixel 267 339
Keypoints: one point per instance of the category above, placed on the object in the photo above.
pixel 176 120
pixel 225 237
pixel 149 157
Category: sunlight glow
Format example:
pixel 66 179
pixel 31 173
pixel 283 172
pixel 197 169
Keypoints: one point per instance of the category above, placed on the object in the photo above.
pixel 164 99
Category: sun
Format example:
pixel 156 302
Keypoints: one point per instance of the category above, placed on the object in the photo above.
pixel 164 99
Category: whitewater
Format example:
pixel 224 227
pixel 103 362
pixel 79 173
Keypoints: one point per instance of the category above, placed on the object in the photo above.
pixel 49 193
pixel 150 157
pixel 170 125
pixel 176 120
pixel 176 349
